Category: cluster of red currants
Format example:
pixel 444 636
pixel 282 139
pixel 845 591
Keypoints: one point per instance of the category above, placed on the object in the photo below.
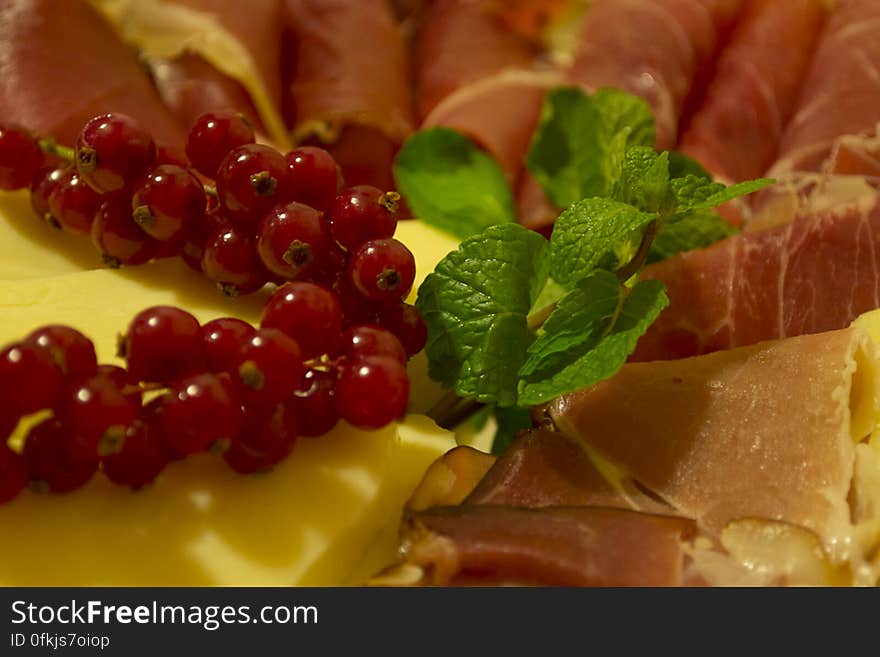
pixel 241 212
pixel 226 386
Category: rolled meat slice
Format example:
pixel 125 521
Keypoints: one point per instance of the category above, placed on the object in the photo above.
pixel 347 85
pixel 553 546
pixel 58 69
pixel 766 431
pixel 817 273
pixel 736 131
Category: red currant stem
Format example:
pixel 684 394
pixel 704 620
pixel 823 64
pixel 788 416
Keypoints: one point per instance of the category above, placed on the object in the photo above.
pixel 49 145
pixel 323 363
pixel 210 190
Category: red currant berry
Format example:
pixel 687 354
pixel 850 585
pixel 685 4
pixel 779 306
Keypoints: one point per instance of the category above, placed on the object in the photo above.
pixel 406 322
pixel 113 152
pixel 142 456
pixel 308 313
pixel 363 213
pixel 20 157
pixel 9 418
pixel 123 380
pixel 251 179
pixel 73 203
pixel 200 411
pixel 221 340
pixel 293 240
pixel 313 404
pixel 212 136
pixel 97 414
pixel 367 340
pixel 118 238
pixel 372 392
pixel 192 249
pixel 269 367
pixel 162 344
pixel 73 353
pixel 170 200
pixel 265 440
pixel 50 461
pixel 382 270
pixel 13 473
pixel 230 260
pixel 42 187
pixel 356 309
pixel 29 379
pixel 314 177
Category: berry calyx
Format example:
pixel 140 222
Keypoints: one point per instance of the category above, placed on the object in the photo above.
pixel 251 179
pixel 162 344
pixel 269 367
pixel 170 200
pixel 372 392
pixel 118 239
pixel 20 158
pixel 113 152
pixel 212 136
pixel 308 313
pixel 292 240
pixel 382 270
pixel 363 213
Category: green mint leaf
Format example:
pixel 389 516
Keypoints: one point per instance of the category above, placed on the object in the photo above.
pixel 694 230
pixel 644 180
pixel 587 233
pixel 692 192
pixel 450 183
pixel 589 336
pixel 510 421
pixel 680 165
pixel 578 149
pixel 476 304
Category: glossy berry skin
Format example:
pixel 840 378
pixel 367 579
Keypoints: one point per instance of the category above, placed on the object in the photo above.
pixel 20 158
pixel 212 136
pixel 113 152
pixel 308 313
pixel 370 340
pixel 372 392
pixel 356 309
pixel 314 177
pixel 13 473
pixel 230 260
pixel 163 344
pixel 363 213
pixel 406 322
pixel 264 441
pixel 192 248
pixel 73 352
pixel 96 414
pixel 9 418
pixel 118 239
pixel 51 463
pixel 199 411
pixel 168 201
pixel 269 367
pixel 251 179
pixel 73 203
pixel 43 185
pixel 221 340
pixel 123 380
pixel 293 240
pixel 141 458
pixel 29 378
pixel 313 404
pixel 382 270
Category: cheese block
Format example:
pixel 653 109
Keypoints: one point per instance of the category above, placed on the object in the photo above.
pixel 328 515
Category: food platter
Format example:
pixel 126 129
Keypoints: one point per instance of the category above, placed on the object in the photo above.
pixel 639 346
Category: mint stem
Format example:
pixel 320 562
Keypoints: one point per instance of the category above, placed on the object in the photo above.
pixel 631 268
pixel 49 145
pixel 451 410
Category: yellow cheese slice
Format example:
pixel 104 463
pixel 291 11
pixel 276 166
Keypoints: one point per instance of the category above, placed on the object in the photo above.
pixel 328 515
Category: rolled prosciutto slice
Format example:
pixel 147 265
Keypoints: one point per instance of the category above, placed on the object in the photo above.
pixel 766 431
pixel 656 49
pixel 736 131
pixel 60 68
pixel 554 546
pixel 348 83
pixel 817 273
pixel 841 95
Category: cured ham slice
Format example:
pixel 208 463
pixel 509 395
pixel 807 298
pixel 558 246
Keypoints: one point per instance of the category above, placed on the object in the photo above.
pixel 817 273
pixel 60 68
pixel 589 546
pixel 656 49
pixel 736 132
pixel 842 92
pixel 766 431
pixel 347 69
